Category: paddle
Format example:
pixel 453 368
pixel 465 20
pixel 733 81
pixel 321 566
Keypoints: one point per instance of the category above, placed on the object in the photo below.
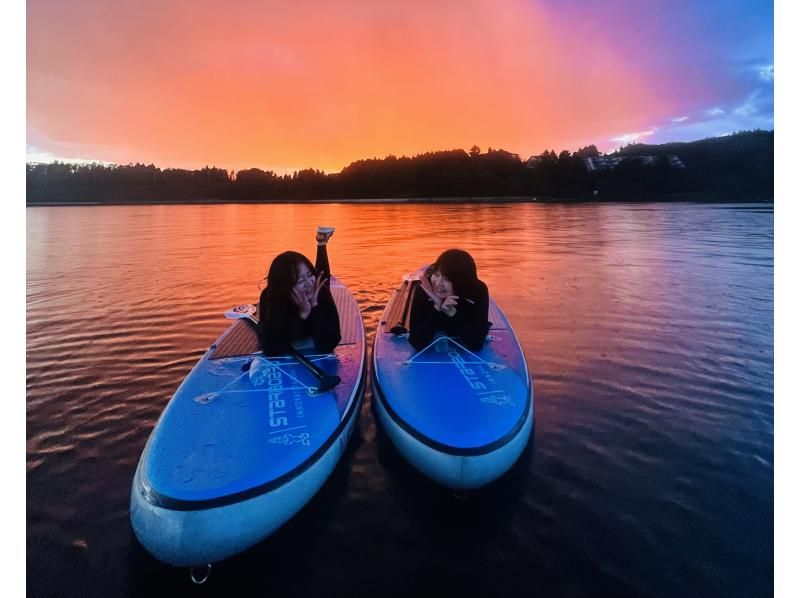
pixel 326 381
pixel 400 327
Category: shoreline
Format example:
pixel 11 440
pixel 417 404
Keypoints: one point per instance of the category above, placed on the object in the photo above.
pixel 676 198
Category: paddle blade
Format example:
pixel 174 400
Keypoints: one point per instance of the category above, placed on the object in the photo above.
pixel 328 382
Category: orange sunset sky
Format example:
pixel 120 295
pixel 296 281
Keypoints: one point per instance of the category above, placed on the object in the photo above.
pixel 290 85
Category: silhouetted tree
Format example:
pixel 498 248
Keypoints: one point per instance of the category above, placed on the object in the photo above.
pixel 590 151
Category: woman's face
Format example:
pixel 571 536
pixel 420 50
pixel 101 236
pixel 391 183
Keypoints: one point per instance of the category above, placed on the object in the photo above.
pixel 441 285
pixel 305 280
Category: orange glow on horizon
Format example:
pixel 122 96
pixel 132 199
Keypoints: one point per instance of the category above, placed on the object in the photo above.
pixel 320 85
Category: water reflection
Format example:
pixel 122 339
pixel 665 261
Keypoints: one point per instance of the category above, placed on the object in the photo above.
pixel 648 330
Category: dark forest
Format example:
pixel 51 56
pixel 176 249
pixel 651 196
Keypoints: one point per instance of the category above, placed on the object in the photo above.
pixel 737 167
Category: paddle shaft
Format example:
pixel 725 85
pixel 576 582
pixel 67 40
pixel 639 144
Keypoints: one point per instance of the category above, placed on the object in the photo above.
pixel 327 381
pixel 306 362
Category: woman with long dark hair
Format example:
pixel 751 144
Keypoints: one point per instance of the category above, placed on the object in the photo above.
pixel 297 302
pixel 451 299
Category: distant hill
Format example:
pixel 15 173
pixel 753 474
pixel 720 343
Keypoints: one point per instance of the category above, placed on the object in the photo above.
pixel 737 167
pixel 746 143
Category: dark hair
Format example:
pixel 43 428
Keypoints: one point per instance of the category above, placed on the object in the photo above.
pixel 459 267
pixel 281 278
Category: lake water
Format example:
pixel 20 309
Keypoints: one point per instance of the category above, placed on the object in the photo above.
pixel 648 330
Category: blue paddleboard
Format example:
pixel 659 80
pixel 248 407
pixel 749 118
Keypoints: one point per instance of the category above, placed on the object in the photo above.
pixel 245 442
pixel 460 417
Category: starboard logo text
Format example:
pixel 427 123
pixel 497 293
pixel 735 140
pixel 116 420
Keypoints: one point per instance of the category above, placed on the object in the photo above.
pixel 470 375
pixel 276 404
pixel 277 401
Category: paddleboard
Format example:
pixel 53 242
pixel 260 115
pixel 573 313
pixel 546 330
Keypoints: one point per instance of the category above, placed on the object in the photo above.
pixel 460 417
pixel 245 442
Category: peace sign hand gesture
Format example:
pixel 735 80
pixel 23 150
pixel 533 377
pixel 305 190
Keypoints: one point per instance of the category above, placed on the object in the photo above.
pixel 425 285
pixel 449 305
pixel 301 301
pixel 320 281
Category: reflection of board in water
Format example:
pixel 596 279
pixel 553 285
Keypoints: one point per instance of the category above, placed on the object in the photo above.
pixel 460 417
pixel 244 443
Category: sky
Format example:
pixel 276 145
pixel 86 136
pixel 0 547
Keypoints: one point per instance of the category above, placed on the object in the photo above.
pixel 310 84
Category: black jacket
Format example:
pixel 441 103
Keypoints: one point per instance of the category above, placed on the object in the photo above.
pixel 470 322
pixel 275 331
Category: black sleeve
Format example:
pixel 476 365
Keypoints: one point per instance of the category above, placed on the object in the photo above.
pixel 322 264
pixel 472 318
pixel 324 322
pixel 423 320
pixel 273 330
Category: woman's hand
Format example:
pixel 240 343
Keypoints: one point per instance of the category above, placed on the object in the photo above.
pixel 301 301
pixel 425 284
pixel 449 305
pixel 320 281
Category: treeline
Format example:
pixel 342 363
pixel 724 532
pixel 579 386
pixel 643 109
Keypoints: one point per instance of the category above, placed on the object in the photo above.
pixel 738 166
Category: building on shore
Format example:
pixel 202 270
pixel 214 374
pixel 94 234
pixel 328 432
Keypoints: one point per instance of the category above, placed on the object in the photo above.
pixel 610 162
